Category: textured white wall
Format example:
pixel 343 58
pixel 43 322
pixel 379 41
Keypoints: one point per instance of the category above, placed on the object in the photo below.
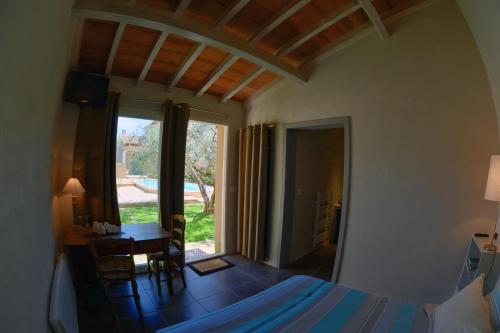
pixel 423 128
pixel 482 17
pixel 33 61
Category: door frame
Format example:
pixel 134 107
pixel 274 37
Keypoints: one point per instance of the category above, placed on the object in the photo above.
pixel 150 109
pixel 286 230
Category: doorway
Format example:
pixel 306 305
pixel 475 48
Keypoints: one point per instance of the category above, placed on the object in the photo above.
pixel 204 173
pixel 315 197
pixel 138 146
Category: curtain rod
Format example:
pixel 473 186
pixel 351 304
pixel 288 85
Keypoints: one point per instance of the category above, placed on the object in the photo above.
pixel 191 107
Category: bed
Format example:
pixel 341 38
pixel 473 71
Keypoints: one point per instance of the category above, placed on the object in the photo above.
pixel 304 303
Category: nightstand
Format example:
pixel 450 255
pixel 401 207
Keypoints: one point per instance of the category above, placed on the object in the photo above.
pixel 478 261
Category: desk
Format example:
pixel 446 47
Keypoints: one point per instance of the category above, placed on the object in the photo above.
pixel 148 238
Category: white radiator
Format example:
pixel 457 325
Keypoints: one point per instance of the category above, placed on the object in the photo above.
pixel 63 313
pixel 323 217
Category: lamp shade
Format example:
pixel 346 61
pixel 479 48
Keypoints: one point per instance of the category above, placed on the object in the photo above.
pixel 493 185
pixel 73 186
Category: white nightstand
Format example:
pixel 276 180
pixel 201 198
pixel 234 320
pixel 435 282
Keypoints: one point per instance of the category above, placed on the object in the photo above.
pixel 478 261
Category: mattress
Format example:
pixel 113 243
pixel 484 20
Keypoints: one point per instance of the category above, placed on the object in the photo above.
pixel 307 304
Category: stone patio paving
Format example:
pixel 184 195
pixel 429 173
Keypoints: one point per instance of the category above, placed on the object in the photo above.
pixel 134 196
pixel 194 251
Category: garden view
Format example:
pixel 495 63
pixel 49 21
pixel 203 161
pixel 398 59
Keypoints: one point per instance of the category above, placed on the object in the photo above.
pixel 138 147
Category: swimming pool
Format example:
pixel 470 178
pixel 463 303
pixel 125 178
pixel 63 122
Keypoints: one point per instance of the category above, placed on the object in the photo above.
pixel 153 184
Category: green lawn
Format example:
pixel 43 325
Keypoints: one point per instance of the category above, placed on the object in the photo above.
pixel 198 225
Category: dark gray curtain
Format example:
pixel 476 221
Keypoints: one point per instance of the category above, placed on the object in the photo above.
pixel 94 160
pixel 172 160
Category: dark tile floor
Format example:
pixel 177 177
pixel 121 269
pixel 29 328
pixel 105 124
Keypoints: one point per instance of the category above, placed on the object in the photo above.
pixel 203 294
pixel 318 263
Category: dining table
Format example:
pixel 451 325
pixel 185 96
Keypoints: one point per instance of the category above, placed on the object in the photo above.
pixel 148 238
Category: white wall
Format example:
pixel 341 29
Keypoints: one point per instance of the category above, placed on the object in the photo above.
pixel 62 167
pixel 423 128
pixel 33 62
pixel 483 20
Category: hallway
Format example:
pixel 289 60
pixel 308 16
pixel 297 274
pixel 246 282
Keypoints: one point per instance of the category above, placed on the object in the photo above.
pixel 318 263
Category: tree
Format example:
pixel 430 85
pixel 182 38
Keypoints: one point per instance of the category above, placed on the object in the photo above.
pixel 201 146
pixel 145 159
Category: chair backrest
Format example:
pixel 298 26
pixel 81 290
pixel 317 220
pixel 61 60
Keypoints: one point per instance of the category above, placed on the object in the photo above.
pixel 178 228
pixel 113 256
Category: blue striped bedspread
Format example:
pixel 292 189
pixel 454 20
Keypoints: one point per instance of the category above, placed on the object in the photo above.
pixel 307 304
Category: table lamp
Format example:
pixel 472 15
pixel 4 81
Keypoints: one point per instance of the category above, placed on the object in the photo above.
pixel 73 187
pixel 492 193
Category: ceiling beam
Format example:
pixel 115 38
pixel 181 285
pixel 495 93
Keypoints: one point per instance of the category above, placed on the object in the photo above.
pixel 372 14
pixel 152 56
pixel 307 35
pixel 214 76
pixel 195 52
pixel 181 7
pixel 242 83
pixel 165 20
pixel 359 33
pixel 114 47
pixel 231 12
pixel 277 19
pixel 337 45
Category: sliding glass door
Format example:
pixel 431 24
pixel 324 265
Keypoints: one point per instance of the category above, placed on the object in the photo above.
pixel 137 169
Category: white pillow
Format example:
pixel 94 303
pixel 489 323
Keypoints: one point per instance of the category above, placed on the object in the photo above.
pixel 466 311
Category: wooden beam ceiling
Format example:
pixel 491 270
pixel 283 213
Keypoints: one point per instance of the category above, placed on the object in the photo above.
pixel 277 19
pixel 114 47
pixel 231 12
pixel 374 18
pixel 152 56
pixel 228 62
pixel 185 66
pixel 242 83
pixel 230 49
pixel 181 7
pixel 166 21
pixel 307 35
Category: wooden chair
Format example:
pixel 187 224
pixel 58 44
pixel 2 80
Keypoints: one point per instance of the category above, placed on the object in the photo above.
pixel 176 251
pixel 114 260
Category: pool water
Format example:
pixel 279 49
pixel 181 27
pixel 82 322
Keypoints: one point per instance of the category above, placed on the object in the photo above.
pixel 153 184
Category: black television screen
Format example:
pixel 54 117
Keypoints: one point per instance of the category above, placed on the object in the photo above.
pixel 86 89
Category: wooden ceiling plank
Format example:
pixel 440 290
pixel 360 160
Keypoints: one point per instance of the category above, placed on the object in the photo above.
pixel 223 66
pixel 242 83
pixel 164 20
pixel 277 19
pixel 185 66
pixel 307 35
pixel 263 89
pixel 333 48
pixel 181 7
pixel 362 32
pixel 372 14
pixel 76 45
pixel 114 47
pixel 231 12
pixel 152 56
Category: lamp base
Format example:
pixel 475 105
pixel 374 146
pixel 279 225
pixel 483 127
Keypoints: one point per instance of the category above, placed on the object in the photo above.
pixel 490 247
